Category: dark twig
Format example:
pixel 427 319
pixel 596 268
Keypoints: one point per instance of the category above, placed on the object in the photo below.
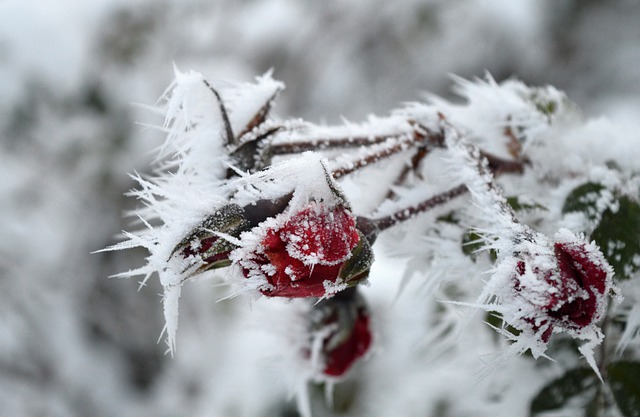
pixel 325 143
pixel 260 117
pixel 417 158
pixel 230 139
pixel 371 158
pixel 407 213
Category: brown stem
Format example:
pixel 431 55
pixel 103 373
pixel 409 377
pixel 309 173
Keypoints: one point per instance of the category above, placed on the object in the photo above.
pixel 420 133
pixel 323 144
pixel 421 136
pixel 503 166
pixel 371 158
pixel 372 227
pixel 260 116
pixel 400 216
pixel 415 163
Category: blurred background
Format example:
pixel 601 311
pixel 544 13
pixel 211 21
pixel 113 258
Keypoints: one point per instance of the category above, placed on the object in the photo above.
pixel 75 343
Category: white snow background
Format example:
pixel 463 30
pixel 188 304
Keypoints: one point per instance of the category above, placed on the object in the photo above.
pixel 72 73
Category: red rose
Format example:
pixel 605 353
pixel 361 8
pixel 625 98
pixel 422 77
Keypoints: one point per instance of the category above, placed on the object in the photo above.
pixel 339 359
pixel 575 288
pixel 313 249
pixel 340 329
pixel 583 282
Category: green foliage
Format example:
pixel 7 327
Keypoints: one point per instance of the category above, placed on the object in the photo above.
pixel 544 104
pixel 472 244
pixel 575 383
pixel 618 235
pixel 518 204
pixel 582 384
pixel 617 232
pixel 624 380
pixel 584 199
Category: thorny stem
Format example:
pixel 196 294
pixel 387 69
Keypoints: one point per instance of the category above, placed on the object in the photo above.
pixel 325 143
pixel 417 158
pixel 405 214
pixel 398 142
pixel 485 167
pixel 260 116
pixel 371 158
pixel 371 227
pixel 322 144
pixel 259 153
pixel 421 136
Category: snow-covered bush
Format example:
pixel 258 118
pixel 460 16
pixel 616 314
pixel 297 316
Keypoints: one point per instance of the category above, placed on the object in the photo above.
pixel 509 214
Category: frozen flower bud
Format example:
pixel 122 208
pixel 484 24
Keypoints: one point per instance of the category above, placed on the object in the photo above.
pixel 583 280
pixel 340 334
pixel 569 291
pixel 315 252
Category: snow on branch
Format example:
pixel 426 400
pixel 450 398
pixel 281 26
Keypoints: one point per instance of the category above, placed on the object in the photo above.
pixel 234 188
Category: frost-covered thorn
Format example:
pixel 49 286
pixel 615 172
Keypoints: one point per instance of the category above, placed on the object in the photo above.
pixel 375 154
pixel 261 115
pixel 230 137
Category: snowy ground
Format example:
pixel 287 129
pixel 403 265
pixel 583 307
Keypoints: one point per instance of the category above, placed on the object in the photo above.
pixel 74 343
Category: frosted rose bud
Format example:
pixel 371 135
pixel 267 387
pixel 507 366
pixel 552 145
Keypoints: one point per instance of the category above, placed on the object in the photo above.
pixel 340 333
pixel 583 280
pixel 315 253
pixel 575 292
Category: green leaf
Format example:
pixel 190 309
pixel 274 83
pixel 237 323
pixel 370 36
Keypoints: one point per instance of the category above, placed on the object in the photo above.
pixel 494 319
pixel 618 235
pixel 229 219
pixel 624 380
pixel 554 396
pixel 356 268
pixel 584 199
pixel 517 204
pixel 451 217
pixel 472 244
pixel 544 104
